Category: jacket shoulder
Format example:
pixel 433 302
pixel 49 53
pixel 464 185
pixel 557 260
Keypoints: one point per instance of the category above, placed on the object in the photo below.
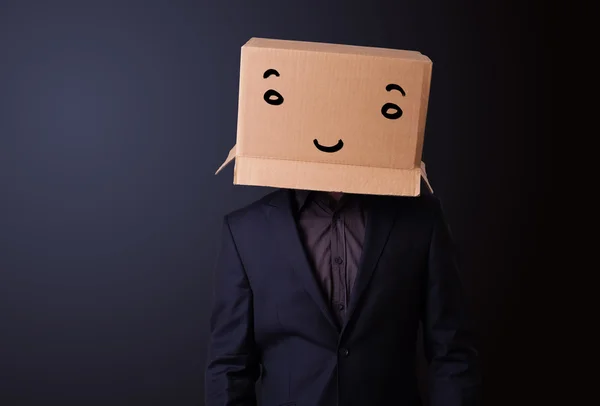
pixel 252 209
pixel 426 203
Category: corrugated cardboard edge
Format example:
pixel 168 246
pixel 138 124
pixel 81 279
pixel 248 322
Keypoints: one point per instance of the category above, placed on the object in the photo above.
pixel 331 48
pixel 425 90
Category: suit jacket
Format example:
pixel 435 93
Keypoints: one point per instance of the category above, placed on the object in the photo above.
pixel 270 320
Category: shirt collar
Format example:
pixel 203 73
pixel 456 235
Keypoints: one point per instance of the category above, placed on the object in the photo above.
pixel 301 197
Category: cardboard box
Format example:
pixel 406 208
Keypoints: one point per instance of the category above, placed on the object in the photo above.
pixel 331 117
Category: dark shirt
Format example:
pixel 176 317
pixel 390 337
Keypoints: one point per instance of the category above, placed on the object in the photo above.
pixel 333 235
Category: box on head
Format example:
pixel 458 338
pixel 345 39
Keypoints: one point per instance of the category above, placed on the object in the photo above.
pixel 330 117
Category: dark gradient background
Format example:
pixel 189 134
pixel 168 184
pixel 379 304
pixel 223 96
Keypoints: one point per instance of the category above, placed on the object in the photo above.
pixel 114 116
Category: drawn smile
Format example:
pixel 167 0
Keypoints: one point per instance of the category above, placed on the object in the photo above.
pixel 333 148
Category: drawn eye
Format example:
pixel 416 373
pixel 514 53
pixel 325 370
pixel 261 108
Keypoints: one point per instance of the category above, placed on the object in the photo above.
pixel 391 111
pixel 273 97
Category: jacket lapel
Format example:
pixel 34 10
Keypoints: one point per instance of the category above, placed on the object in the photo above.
pixel 283 227
pixel 380 220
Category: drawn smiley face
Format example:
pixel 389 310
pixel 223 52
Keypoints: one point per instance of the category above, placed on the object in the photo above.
pixel 389 111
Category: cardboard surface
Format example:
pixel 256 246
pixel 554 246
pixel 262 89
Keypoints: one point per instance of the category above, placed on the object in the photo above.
pixel 331 117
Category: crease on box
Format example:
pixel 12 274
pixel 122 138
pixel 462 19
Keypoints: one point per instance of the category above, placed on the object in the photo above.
pixel 233 153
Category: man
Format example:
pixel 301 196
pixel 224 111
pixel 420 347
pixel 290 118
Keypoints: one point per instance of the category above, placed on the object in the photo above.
pixel 321 295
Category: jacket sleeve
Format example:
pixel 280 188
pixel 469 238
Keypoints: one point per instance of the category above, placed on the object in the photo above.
pixel 454 376
pixel 233 365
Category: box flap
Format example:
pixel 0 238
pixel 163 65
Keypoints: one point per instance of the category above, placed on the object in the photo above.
pixel 326 177
pixel 424 175
pixel 229 158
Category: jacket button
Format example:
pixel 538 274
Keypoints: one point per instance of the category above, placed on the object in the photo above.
pixel 344 351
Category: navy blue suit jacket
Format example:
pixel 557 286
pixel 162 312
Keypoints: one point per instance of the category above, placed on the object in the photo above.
pixel 270 321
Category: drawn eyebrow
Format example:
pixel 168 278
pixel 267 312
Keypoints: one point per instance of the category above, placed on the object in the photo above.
pixel 393 86
pixel 270 72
